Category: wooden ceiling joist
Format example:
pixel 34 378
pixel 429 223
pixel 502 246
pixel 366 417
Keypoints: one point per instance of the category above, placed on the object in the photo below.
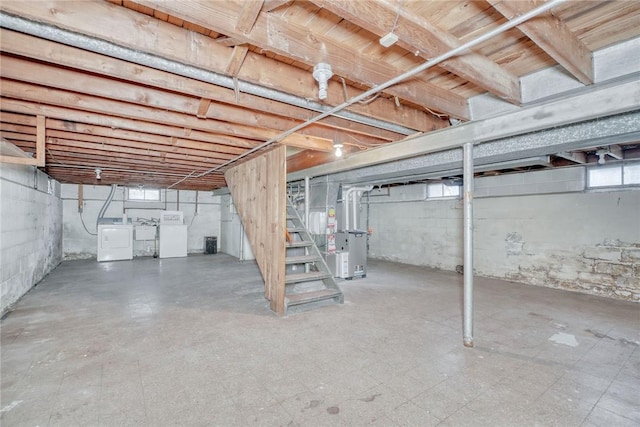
pixel 119 128
pixel 169 41
pixel 288 39
pixel 250 11
pixel 417 34
pixel 31 47
pixel 133 98
pixel 94 104
pixel 552 36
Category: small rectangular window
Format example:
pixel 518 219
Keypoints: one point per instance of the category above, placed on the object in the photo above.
pixel 631 174
pixel 605 176
pixel 144 194
pixel 439 190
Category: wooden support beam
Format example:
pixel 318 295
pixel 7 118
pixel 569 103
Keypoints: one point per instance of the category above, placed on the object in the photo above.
pixel 416 34
pixel 26 91
pixel 169 41
pixel 256 125
pixel 236 60
pixel 77 121
pixel 307 159
pixel 553 36
pixel 250 11
pixel 270 5
pixel 203 108
pixel 574 156
pixel 40 140
pixel 18 160
pixel 229 41
pixel 295 42
pixel 70 57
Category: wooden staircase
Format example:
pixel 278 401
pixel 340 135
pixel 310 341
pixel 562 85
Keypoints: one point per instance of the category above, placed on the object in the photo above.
pixel 308 279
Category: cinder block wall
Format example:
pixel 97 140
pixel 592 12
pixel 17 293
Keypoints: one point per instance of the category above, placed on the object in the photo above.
pixel 30 230
pixel 586 241
pixel 78 243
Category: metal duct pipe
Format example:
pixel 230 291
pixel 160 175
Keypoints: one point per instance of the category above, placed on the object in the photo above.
pixel 354 211
pixel 104 47
pixel 468 245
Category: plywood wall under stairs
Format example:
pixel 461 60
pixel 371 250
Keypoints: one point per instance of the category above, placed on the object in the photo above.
pixel 258 188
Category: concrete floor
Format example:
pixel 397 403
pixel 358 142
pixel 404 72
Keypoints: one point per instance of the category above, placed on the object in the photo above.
pixel 191 342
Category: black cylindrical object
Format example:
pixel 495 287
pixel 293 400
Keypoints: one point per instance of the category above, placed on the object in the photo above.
pixel 210 245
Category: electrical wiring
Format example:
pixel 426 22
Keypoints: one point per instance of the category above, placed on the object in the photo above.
pixel 85 227
pixel 363 102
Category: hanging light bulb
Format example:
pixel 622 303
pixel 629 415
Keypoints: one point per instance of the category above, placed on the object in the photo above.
pixel 338 148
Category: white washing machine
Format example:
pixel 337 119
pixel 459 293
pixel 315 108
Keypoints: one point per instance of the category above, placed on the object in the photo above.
pixel 115 242
pixel 173 235
pixel 173 241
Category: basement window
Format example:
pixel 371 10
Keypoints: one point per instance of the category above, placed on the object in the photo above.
pixel 143 194
pixel 631 174
pixel 439 190
pixel 613 175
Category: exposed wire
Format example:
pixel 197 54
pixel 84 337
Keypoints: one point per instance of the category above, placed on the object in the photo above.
pixel 395 23
pixel 436 114
pixel 363 102
pixel 381 87
pixel 85 227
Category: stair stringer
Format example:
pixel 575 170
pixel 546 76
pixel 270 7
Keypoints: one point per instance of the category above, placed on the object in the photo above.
pixel 258 188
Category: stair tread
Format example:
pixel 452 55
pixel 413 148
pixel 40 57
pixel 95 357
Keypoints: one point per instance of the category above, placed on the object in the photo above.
pixel 307 297
pixel 301 259
pixel 306 277
pixel 299 244
pixel 296 229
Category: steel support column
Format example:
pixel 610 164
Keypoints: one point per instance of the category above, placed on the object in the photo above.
pixel 468 244
pixel 307 206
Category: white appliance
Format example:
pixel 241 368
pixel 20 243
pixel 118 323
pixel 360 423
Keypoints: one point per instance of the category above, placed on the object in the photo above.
pixel 115 241
pixel 338 263
pixel 173 235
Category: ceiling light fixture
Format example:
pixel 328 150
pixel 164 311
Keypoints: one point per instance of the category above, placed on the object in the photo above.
pixel 98 173
pixel 338 148
pixel 322 73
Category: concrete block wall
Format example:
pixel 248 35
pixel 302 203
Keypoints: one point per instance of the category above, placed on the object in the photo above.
pixel 78 243
pixel 586 241
pixel 30 230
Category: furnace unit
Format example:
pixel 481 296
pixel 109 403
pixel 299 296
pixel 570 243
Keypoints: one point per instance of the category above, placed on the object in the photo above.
pixel 350 258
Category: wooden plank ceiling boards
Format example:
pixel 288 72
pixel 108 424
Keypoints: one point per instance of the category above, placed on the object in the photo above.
pixel 230 75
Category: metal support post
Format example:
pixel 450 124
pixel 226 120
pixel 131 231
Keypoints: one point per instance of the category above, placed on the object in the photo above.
pixel 307 205
pixel 468 244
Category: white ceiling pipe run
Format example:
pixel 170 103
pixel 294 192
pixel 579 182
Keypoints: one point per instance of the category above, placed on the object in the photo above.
pixel 12 22
pixel 431 63
pixel 352 194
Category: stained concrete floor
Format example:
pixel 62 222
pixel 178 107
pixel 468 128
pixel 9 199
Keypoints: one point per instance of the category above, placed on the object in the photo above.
pixel 191 342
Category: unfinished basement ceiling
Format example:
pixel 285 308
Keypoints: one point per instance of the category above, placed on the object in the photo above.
pixel 166 94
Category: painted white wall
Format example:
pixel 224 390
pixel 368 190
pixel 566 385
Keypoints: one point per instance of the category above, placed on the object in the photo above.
pixel 78 243
pixel 30 230
pixel 234 240
pixel 587 241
